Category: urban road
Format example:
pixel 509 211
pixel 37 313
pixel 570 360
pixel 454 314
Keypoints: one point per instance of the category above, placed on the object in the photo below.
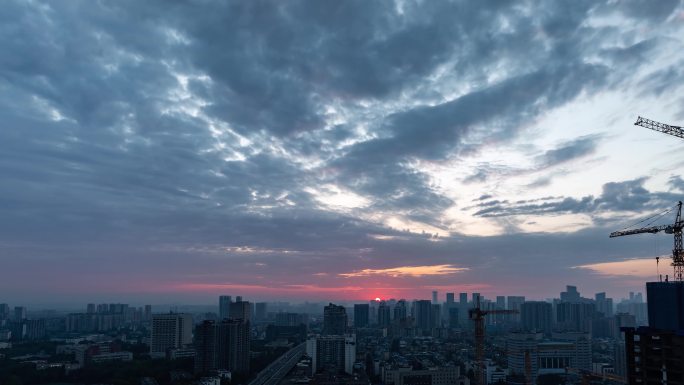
pixel 279 368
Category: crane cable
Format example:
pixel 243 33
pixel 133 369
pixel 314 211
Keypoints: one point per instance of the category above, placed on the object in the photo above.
pixel 652 216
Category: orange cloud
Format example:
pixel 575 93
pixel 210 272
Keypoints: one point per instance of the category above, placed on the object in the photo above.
pixel 407 271
pixel 643 267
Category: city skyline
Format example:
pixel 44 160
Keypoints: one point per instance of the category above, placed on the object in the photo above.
pixel 317 151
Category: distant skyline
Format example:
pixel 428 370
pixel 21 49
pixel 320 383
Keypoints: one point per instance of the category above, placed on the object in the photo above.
pixel 307 150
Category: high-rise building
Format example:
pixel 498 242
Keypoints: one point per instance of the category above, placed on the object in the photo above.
pixel 260 311
pixel 654 356
pixel 476 297
pixel 349 353
pixel 33 329
pixel 570 294
pixel 91 308
pixel 463 299
pixel 521 350
pixel 623 320
pixel 173 330
pixel 514 302
pixel 604 305
pixel 563 350
pixel 665 305
pixel 436 316
pixel 454 320
pixel 450 300
pixel 19 313
pixel 361 315
pixel 463 307
pixel 222 345
pixel 240 310
pixel 536 316
pixel 224 306
pixel 575 316
pixel 384 314
pixel 582 348
pixel 148 313
pixel 500 302
pixel 400 310
pixel 332 353
pixel 206 351
pixel 423 315
pixel 334 320
pixel 435 298
pixel 4 311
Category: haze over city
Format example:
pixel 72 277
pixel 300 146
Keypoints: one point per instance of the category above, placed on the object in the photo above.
pixel 156 152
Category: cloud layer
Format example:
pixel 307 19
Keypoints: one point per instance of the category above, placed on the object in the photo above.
pixel 301 145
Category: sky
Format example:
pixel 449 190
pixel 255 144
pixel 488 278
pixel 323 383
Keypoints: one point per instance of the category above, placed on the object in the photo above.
pixel 334 150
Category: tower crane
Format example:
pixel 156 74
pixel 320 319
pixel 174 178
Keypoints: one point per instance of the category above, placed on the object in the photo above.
pixel 676 230
pixel 660 127
pixel 477 315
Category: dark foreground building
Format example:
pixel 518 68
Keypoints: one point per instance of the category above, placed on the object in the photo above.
pixel 222 345
pixel 654 357
pixel 655 354
pixel 665 305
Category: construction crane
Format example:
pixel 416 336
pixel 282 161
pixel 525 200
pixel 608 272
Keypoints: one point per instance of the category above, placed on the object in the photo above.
pixel 660 127
pixel 477 315
pixel 586 375
pixel 676 229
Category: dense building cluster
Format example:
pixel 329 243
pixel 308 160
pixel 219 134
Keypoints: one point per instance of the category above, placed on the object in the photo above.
pixel 391 341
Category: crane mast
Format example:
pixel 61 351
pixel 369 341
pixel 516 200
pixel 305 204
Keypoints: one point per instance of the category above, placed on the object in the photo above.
pixel 660 127
pixel 676 230
pixel 477 315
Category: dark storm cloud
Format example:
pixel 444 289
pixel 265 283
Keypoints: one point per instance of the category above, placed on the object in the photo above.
pixel 569 151
pixel 565 152
pixel 615 196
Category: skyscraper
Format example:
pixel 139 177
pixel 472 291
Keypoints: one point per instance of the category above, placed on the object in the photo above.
pixel 463 307
pixel 436 316
pixel 334 320
pixel 454 320
pixel 4 311
pixel 435 299
pixel 173 330
pixel 332 353
pixel 222 345
pixel 224 306
pixel 536 316
pixel 400 310
pixel 384 314
pixel 603 304
pixel 361 314
pixel 575 316
pixel 570 294
pixel 449 299
pixel 423 315
pixel 514 302
pixel 240 310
